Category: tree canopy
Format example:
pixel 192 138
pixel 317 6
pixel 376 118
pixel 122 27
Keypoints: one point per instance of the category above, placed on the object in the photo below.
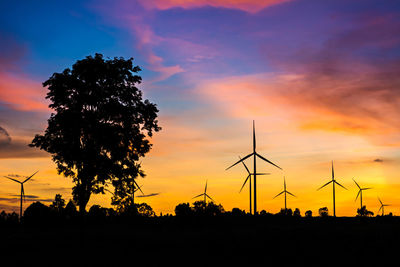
pixel 100 125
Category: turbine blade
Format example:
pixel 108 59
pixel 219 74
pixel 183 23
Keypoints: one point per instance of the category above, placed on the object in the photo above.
pixel 340 184
pixel 138 187
pixel 290 193
pixel 198 195
pixel 380 201
pixel 30 177
pixel 12 179
pixel 278 194
pixel 248 176
pixel 205 189
pixel 247 169
pixel 357 195
pixel 240 161
pixel 209 197
pixel 380 208
pixel 366 188
pixel 356 184
pixel 254 137
pixel 261 157
pixel 263 173
pixel 324 185
pixel 333 173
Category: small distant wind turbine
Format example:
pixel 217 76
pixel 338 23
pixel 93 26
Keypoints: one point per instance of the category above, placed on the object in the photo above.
pixel 284 191
pixel 360 192
pixel 22 190
pixel 136 187
pixel 333 181
pixel 255 155
pixel 382 207
pixel 205 195
pixel 248 178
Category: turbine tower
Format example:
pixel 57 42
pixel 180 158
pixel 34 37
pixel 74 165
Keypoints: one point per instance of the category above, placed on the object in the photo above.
pixel 255 155
pixel 205 195
pixel 22 190
pixel 284 192
pixel 360 192
pixel 248 178
pixel 382 207
pixel 333 181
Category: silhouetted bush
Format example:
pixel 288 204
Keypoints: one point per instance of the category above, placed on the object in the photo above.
pixel 38 213
pixel 287 212
pixel 323 212
pixel 199 208
pixel 183 210
pixel 308 214
pixel 363 212
pixel 143 209
pixel 97 211
pixel 297 213
pixel 58 204
pixel 237 212
pixel 9 219
pixel 70 210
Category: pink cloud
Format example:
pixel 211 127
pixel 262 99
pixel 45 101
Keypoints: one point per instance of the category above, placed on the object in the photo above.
pixel 22 93
pixel 325 104
pixel 245 5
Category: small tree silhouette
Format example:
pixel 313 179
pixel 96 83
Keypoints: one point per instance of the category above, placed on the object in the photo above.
pixel 323 212
pixel 58 203
pixel 183 210
pixel 363 212
pixel 37 213
pixel 308 214
pixel 297 213
pixel 144 209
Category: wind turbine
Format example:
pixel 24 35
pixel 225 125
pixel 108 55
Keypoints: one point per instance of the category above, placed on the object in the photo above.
pixel 22 190
pixel 333 181
pixel 255 155
pixel 284 191
pixel 382 207
pixel 135 188
pixel 205 195
pixel 360 192
pixel 248 178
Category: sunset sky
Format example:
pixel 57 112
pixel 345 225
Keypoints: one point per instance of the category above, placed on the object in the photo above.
pixel 321 79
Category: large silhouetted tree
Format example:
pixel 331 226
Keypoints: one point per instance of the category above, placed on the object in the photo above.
pixel 100 125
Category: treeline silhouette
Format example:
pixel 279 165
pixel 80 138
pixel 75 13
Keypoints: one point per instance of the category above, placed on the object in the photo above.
pixel 59 212
pixel 205 232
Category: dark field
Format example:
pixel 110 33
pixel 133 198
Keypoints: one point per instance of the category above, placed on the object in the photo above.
pixel 245 241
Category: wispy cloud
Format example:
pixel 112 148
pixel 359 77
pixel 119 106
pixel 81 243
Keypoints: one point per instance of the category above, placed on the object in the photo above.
pixel 245 5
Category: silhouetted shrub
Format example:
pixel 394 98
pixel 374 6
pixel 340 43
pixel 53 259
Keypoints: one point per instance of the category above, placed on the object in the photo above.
pixel 287 212
pixel 237 212
pixel 308 214
pixel 214 210
pixel 58 204
pixel 145 210
pixel 97 211
pixel 37 213
pixel 9 219
pixel 70 210
pixel 323 212
pixel 183 210
pixel 199 207
pixel 297 213
pixel 363 212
